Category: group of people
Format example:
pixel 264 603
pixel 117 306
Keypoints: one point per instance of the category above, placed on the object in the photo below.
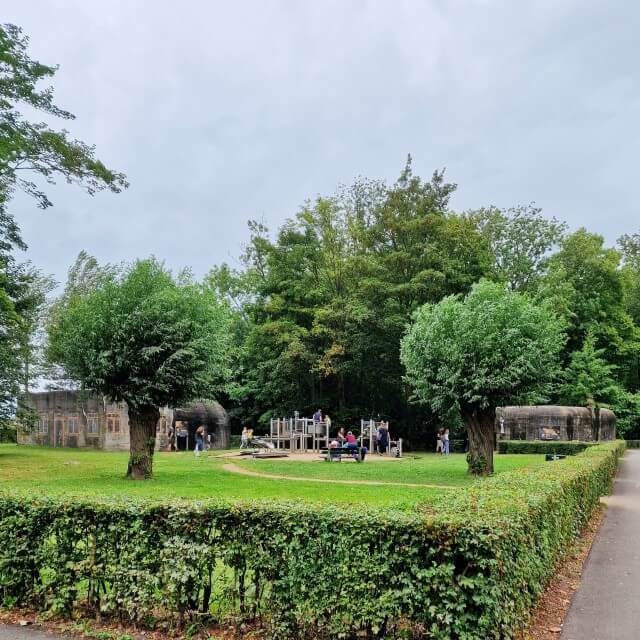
pixel 442 442
pixel 202 437
pixel 350 441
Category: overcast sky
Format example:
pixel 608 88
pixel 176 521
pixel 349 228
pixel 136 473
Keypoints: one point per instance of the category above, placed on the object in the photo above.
pixel 223 111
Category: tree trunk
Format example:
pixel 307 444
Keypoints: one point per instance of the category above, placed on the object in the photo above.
pixel 595 423
pixel 142 441
pixel 480 428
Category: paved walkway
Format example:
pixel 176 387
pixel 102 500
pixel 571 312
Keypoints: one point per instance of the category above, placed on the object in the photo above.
pixel 14 632
pixel 607 604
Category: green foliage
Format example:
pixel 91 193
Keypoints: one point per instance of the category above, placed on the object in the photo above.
pixel 34 146
pixel 521 240
pixel 589 378
pixel 143 337
pixel 28 148
pixel 536 446
pixel 594 291
pixel 326 301
pixel 470 567
pixel 146 338
pixel 8 434
pixel 493 348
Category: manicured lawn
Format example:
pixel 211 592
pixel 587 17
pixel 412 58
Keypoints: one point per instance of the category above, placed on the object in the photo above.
pixel 425 468
pixel 181 476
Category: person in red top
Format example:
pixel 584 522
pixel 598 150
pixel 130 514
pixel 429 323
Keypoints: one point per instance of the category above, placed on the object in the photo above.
pixel 351 439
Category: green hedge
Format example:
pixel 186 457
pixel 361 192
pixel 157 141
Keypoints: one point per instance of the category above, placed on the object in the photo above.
pixel 633 444
pixel 567 448
pixel 468 567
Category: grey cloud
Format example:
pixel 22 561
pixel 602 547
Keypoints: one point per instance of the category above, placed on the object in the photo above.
pixel 219 112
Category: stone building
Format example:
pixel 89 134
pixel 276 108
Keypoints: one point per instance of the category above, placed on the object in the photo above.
pixel 548 422
pixel 84 419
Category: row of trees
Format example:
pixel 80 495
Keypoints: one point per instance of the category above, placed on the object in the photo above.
pixel 322 307
pixel 317 313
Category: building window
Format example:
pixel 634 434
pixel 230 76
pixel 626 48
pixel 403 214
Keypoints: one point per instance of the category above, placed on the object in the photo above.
pixel 43 423
pixel 72 425
pixel 113 423
pixel 92 424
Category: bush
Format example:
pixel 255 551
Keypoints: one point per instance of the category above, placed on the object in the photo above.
pixel 563 447
pixel 8 435
pixel 633 444
pixel 470 566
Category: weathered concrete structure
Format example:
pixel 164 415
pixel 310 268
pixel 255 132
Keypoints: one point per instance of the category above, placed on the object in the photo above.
pixel 548 422
pixel 84 419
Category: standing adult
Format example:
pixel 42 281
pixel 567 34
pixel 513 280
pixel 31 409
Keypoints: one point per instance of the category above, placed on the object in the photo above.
pixel 317 417
pixel 244 438
pixel 445 442
pixel 171 437
pixel 439 442
pixel 199 441
pixel 382 438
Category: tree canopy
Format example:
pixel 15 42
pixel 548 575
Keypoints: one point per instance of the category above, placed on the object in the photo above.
pixel 31 153
pixel 147 338
pixel 471 355
pixel 28 147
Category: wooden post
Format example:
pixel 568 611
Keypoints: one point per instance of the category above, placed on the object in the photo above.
pixel 372 425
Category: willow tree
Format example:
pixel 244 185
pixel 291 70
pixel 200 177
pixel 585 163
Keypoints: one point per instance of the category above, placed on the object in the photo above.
pixel 492 348
pixel 146 338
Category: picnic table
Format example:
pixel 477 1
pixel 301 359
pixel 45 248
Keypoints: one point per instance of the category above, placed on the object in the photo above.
pixel 334 454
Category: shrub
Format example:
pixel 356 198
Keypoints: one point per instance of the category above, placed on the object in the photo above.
pixel 633 444
pixel 470 566
pixel 8 434
pixel 539 446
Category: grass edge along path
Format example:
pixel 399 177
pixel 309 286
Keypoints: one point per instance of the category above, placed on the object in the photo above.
pixel 234 468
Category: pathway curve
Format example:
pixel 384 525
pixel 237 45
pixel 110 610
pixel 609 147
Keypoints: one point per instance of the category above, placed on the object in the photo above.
pixel 607 604
pixel 234 468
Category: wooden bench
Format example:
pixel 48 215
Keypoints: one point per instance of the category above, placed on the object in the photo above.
pixel 336 453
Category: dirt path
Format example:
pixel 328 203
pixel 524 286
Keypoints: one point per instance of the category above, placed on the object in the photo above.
pixel 234 468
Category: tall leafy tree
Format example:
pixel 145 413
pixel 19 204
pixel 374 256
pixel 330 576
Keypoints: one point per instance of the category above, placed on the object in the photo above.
pixel 590 279
pixel 31 153
pixel 521 240
pixel 328 299
pixel 23 290
pixel 629 245
pixel 146 338
pixel 590 381
pixel 28 148
pixel 471 355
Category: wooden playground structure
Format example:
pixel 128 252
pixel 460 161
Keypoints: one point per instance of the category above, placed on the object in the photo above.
pixel 299 434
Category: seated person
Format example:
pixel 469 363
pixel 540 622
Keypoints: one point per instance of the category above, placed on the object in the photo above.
pixel 334 444
pixel 341 437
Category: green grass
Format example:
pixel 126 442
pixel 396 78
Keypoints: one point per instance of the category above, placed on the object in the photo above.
pixel 425 468
pixel 180 476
